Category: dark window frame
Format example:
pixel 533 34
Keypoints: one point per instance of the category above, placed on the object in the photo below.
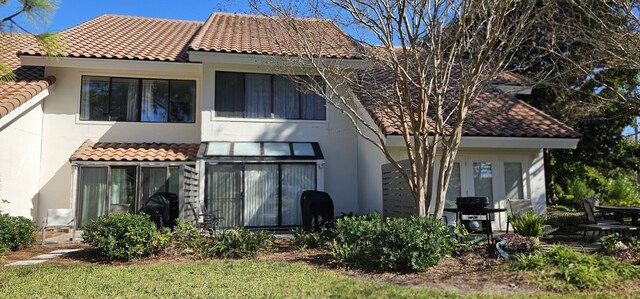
pixel 207 200
pixel 272 101
pixel 139 100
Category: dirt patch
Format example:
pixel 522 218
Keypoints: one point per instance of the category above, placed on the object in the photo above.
pixel 476 271
pixel 35 250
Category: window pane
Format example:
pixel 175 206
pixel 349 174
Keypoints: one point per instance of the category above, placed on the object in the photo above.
pixel 229 101
pixel 123 189
pixel 94 102
pixel 155 94
pixel 173 183
pixel 257 96
pixel 182 104
pixel 453 192
pixel 154 180
pixel 296 178
pixel 303 149
pixel 224 192
pixel 261 195
pixel 218 149
pixel 123 103
pixel 312 105
pixel 286 104
pixel 246 149
pixel 92 198
pixel 483 180
pixel 513 180
pixel 277 149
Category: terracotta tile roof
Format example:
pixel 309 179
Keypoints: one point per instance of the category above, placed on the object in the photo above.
pixel 233 33
pixel 125 37
pixel 161 152
pixel 511 78
pixel 494 113
pixel 29 81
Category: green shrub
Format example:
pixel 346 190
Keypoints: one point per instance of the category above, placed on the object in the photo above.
pixel 531 225
pixel 186 237
pixel 306 240
pixel 121 236
pixel 3 251
pixel 579 270
pixel 161 241
pixel 400 244
pixel 16 232
pixel 577 189
pixel 237 243
pixel 622 192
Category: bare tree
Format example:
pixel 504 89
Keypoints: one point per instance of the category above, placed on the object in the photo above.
pixel 430 61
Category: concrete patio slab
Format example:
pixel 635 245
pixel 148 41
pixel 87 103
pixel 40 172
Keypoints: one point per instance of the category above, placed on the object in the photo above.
pixel 26 263
pixel 47 256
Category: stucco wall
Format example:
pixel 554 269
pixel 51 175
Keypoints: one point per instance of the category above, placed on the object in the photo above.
pixel 63 132
pixel 337 139
pixel 19 163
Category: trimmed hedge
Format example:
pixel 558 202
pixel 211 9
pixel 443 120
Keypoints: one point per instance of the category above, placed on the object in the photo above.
pixel 396 244
pixel 16 232
pixel 122 236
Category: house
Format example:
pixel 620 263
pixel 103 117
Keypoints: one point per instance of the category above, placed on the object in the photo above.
pixel 139 105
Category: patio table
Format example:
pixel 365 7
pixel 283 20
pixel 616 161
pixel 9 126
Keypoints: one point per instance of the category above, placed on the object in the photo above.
pixel 621 211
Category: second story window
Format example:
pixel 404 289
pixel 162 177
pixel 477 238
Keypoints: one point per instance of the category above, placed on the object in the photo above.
pixel 138 100
pixel 248 95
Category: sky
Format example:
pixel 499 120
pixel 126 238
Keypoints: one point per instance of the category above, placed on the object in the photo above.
pixel 74 12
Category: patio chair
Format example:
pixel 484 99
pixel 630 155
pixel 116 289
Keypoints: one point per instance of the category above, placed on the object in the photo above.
pixel 517 207
pixel 597 213
pixel 207 221
pixel 602 225
pixel 59 218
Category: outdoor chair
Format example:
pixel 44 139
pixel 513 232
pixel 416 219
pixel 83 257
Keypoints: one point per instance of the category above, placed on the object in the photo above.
pixel 597 213
pixel 207 221
pixel 119 208
pixel 601 225
pixel 517 207
pixel 59 218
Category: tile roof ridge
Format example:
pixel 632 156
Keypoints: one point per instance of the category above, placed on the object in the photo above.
pixel 222 13
pixel 144 18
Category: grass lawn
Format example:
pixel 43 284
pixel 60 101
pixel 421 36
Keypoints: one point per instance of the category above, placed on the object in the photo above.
pixel 211 279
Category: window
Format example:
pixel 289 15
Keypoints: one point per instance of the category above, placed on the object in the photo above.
pixel 513 186
pixel 258 194
pixel 137 100
pixel 248 95
pixel 115 188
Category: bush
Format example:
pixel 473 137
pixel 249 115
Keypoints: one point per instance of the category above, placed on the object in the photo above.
pixel 400 244
pixel 161 241
pixel 121 236
pixel 306 240
pixel 515 243
pixel 237 243
pixel 579 270
pixel 16 232
pixel 622 192
pixel 531 225
pixel 186 237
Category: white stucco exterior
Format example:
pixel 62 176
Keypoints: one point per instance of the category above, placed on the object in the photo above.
pixel 35 172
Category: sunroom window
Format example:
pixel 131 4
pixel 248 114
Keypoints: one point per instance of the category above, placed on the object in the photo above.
pixel 248 95
pixel 137 100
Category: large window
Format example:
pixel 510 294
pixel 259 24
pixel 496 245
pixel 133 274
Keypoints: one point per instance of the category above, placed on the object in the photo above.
pixel 104 189
pixel 248 95
pixel 258 194
pixel 138 100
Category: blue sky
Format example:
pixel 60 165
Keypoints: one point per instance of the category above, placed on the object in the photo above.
pixel 73 12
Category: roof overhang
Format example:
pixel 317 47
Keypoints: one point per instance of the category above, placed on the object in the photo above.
pixel 503 142
pixel 515 89
pixel 112 64
pixel 20 110
pixel 280 61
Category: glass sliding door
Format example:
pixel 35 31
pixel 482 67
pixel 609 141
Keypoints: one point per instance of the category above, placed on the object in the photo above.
pixel 154 180
pixel 123 189
pixel 261 195
pixel 296 178
pixel 224 192
pixel 453 192
pixel 483 180
pixel 92 201
pixel 513 186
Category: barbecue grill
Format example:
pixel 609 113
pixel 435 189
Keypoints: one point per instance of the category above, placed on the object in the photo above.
pixel 472 213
